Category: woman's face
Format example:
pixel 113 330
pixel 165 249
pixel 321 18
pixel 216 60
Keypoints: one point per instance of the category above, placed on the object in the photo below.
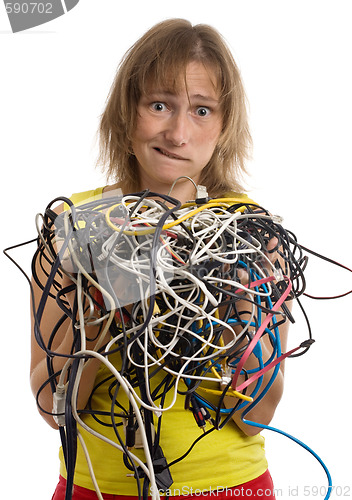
pixel 176 132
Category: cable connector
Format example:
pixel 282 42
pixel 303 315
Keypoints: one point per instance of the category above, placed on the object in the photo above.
pixel 163 477
pixel 206 415
pixel 157 412
pixel 201 414
pixel 133 433
pixel 197 413
pixel 59 402
pixel 226 375
pixel 278 275
pixel 277 218
pixel 202 195
pixel 130 431
pixel 307 343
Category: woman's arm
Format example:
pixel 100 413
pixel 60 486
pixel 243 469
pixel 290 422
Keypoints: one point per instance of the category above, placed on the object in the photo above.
pixel 61 344
pixel 263 412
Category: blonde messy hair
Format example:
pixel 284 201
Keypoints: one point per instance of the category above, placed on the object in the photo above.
pixel 161 56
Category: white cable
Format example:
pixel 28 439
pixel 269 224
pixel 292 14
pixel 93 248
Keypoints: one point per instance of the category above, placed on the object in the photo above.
pixel 187 297
pixel 148 469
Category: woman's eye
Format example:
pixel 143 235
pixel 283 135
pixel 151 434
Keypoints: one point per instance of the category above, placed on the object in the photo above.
pixel 203 111
pixel 158 106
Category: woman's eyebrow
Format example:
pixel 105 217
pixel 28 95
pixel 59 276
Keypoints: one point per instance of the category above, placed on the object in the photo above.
pixel 168 93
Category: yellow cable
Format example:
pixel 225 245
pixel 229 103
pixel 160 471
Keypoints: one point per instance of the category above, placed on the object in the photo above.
pixel 213 203
pixel 232 393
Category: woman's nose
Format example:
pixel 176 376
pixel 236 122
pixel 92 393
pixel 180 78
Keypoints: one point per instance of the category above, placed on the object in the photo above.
pixel 178 129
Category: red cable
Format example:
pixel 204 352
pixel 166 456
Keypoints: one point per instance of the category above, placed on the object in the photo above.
pixel 261 330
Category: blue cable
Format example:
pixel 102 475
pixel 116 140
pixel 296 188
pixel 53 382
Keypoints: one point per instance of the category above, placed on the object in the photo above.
pixel 298 441
pixel 275 337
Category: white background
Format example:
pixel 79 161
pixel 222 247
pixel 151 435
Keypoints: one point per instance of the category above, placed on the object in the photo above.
pixel 295 58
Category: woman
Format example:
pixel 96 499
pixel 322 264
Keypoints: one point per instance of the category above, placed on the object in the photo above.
pixel 176 111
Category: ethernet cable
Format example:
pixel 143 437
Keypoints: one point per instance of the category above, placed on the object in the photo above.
pixel 185 263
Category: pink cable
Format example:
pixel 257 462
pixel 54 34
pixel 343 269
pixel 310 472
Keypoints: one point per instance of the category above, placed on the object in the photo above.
pixel 259 333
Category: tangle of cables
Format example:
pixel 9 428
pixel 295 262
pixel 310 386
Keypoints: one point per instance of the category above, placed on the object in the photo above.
pixel 188 291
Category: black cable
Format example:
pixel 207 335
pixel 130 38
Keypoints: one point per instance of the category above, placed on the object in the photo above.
pixel 182 457
pixel 87 231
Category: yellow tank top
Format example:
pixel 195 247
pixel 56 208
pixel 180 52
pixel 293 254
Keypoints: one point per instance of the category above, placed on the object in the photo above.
pixel 222 458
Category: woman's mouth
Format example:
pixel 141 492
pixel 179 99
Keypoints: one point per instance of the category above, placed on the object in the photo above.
pixel 164 152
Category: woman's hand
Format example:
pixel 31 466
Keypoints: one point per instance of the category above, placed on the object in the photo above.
pixel 264 410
